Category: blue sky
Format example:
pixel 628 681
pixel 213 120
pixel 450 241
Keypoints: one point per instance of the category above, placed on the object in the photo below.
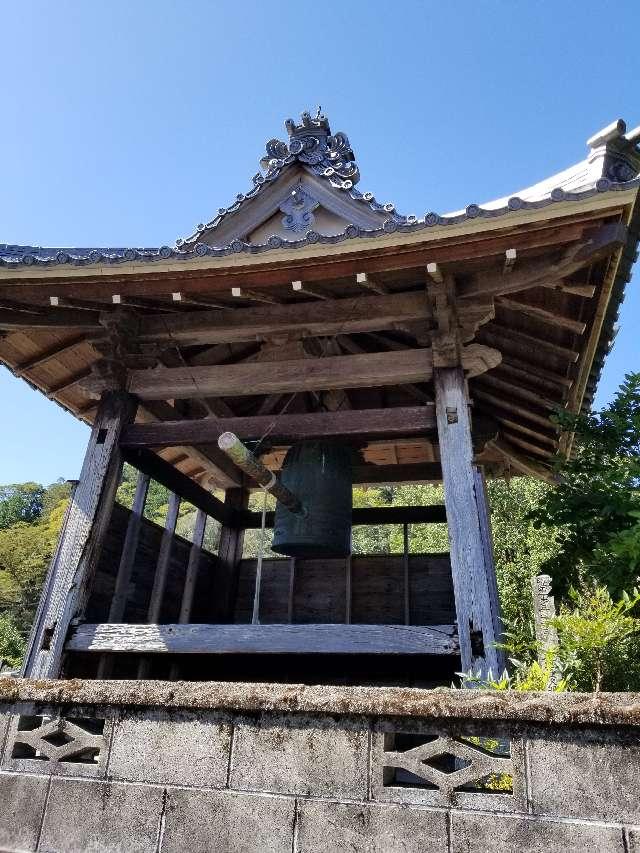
pixel 128 123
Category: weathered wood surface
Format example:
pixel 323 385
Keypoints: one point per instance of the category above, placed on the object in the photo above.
pixel 174 480
pixel 229 555
pixel 373 370
pixel 265 639
pixel 191 578
pixel 468 554
pixel 401 420
pixel 363 314
pixel 82 538
pixel 128 556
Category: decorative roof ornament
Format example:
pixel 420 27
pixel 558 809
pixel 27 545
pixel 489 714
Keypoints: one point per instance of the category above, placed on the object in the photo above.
pixel 298 209
pixel 312 143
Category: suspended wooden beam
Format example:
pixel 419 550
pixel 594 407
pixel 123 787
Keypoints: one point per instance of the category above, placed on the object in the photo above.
pixel 174 480
pixel 413 472
pixel 404 420
pixel 237 380
pixel 359 314
pixel 265 639
pixel 587 291
pixel 542 314
pixel 247 462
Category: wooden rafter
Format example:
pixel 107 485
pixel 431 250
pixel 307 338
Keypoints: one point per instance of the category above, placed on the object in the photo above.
pixel 550 317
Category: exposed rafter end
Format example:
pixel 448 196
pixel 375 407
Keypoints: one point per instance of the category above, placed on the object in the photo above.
pixel 509 260
pixel 299 287
pixel 435 273
pixel 243 293
pixel 365 280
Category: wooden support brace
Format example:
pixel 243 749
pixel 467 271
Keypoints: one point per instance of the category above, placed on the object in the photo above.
pixel 366 280
pixel 308 290
pixel 253 295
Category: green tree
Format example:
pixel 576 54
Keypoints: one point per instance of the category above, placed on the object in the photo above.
pixel 20 502
pixel 596 505
pixel 11 642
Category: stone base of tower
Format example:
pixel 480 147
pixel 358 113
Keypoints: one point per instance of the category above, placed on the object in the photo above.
pixel 175 766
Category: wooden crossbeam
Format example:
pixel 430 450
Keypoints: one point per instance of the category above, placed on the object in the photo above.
pixel 174 480
pixel 518 441
pixel 253 295
pixel 237 380
pixel 205 302
pixel 413 472
pixel 359 314
pixel 415 420
pixel 525 430
pixel 523 464
pixel 551 317
pixel 365 516
pixel 266 639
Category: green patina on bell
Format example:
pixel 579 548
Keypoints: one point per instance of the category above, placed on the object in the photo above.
pixel 319 473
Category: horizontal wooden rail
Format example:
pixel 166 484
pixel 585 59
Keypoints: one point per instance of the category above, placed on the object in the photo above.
pixel 265 639
pixel 364 516
pixel 365 423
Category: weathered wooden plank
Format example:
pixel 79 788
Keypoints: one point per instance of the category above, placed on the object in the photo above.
pixel 381 423
pixel 127 558
pixel 361 314
pixel 165 474
pixel 61 318
pixel 265 639
pixel 230 554
pixel 468 555
pixel 373 370
pixel 410 472
pixel 374 515
pixel 83 535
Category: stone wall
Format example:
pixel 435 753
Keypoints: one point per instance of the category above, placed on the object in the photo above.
pixel 178 766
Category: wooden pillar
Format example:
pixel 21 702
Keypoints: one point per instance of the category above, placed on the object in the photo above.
pixel 465 510
pixel 82 538
pixel 229 555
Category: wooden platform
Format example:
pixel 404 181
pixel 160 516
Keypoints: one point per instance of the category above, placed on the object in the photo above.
pixel 265 639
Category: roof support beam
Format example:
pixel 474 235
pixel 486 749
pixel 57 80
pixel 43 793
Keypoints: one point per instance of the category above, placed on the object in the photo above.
pixel 542 314
pixel 402 421
pixel 601 242
pixel 362 314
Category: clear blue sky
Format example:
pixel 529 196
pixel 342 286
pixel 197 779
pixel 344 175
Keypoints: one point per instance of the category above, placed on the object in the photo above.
pixel 126 123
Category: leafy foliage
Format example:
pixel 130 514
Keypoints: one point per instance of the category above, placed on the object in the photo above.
pixel 597 504
pixel 11 642
pixel 20 502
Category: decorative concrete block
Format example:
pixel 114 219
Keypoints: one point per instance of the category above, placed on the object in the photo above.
pixel 301 755
pixel 101 817
pixel 70 743
pixel 369 828
pixel 633 839
pixel 22 800
pixel 178 748
pixel 473 832
pixel 204 821
pixel 586 774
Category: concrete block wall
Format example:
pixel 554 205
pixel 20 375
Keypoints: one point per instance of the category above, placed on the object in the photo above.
pixel 167 767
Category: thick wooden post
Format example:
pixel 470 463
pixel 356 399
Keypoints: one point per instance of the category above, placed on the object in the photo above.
pixel 465 513
pixel 82 537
